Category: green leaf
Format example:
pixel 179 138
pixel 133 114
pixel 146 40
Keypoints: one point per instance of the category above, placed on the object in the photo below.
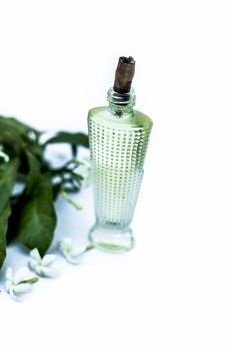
pixel 34 170
pixel 3 229
pixel 12 141
pixel 16 136
pixel 78 139
pixel 8 173
pixel 17 204
pixel 74 150
pixel 56 190
pixel 38 217
pixel 14 124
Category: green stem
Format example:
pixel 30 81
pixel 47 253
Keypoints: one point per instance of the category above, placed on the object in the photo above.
pixel 76 161
pixel 89 247
pixel 31 280
pixel 69 200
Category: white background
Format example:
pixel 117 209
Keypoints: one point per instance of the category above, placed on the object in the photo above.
pixel 174 290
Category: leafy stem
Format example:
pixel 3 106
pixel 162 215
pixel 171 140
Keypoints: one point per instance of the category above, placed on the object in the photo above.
pixel 30 213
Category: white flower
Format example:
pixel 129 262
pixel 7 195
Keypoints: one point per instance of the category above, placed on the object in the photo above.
pixel 42 266
pixel 84 170
pixel 72 255
pixel 18 285
pixel 4 155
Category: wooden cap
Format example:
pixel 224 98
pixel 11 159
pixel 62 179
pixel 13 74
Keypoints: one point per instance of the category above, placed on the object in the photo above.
pixel 124 74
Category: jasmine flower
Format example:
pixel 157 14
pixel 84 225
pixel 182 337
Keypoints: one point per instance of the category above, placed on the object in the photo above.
pixel 17 286
pixel 42 266
pixel 74 255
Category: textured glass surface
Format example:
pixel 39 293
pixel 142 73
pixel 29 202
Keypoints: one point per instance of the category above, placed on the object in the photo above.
pixel 118 145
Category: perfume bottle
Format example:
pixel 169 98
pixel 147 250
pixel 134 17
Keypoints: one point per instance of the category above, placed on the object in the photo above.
pixel 118 137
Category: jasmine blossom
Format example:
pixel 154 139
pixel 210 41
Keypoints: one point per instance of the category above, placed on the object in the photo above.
pixel 74 255
pixel 42 266
pixel 17 286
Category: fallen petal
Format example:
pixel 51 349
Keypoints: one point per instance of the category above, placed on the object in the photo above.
pixel 78 250
pixel 8 286
pixel 74 259
pixel 48 259
pixel 35 266
pixel 22 288
pixel 34 254
pixel 9 274
pixel 49 272
pixel 65 245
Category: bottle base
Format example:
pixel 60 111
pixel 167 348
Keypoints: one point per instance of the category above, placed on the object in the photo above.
pixel 110 240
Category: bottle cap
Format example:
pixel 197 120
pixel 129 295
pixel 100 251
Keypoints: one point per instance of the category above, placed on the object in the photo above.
pixel 124 74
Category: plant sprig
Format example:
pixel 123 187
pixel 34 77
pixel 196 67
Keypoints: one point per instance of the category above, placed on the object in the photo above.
pixel 30 215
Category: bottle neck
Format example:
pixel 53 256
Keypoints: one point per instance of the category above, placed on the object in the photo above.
pixel 121 104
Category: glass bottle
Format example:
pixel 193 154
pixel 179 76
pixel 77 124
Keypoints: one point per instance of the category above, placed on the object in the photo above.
pixel 118 137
